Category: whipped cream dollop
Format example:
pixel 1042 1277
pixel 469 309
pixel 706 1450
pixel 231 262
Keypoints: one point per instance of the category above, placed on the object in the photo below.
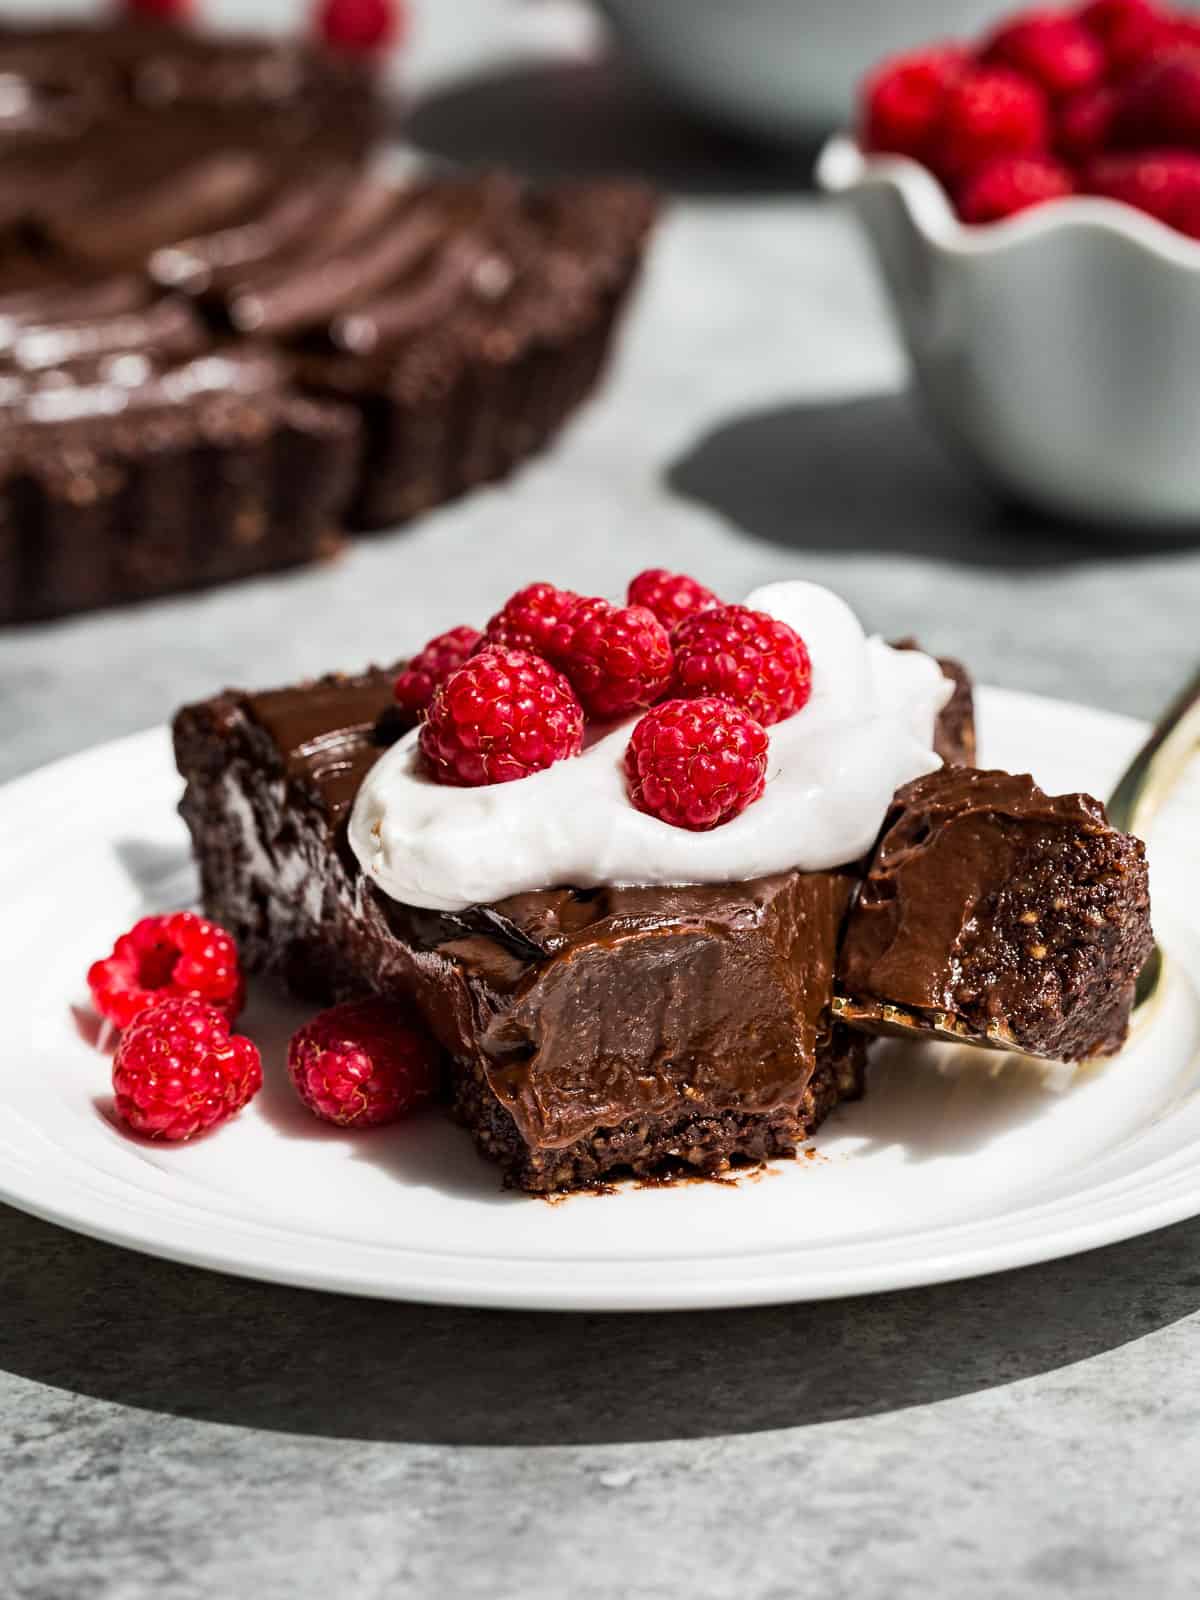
pixel 832 771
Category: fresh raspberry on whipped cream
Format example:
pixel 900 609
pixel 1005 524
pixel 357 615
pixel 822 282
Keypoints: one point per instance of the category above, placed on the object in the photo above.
pixel 537 618
pixel 696 763
pixel 746 657
pixel 618 658
pixel 672 596
pixel 501 716
pixel 432 665
pixel 868 728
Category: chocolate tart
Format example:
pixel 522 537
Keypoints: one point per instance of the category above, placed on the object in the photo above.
pixel 589 1033
pixel 451 324
pixel 138 458
pixel 464 318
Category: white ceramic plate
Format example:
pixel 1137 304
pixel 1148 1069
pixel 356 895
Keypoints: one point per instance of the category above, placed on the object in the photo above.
pixel 954 1164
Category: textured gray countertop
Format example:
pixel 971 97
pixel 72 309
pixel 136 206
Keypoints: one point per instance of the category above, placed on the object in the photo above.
pixel 174 1433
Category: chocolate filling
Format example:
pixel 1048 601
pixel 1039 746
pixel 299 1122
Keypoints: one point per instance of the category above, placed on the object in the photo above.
pixel 588 1032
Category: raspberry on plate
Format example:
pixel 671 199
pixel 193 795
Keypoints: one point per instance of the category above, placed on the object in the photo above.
pixel 167 957
pixel 746 657
pixel 433 665
pixel 1011 184
pixel 364 1063
pixel 1052 48
pixel 619 658
pixel 179 1071
pixel 672 596
pixel 501 716
pixel 360 27
pixel 536 618
pixel 990 112
pixel 1163 183
pixel 903 99
pixel 696 763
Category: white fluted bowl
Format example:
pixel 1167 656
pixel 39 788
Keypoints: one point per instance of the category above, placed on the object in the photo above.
pixel 1059 351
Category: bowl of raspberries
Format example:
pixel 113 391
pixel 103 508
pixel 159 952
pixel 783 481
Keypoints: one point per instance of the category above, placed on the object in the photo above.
pixel 1033 200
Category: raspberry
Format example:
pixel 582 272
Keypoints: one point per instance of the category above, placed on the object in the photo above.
pixel 696 763
pixel 501 716
pixel 167 957
pixel 363 1063
pixel 1164 183
pixel 1083 122
pixel 1160 105
pixel 746 657
pixel 671 596
pixel 178 1070
pixel 1132 32
pixel 433 665
pixel 536 618
pixel 1105 18
pixel 990 112
pixel 1053 49
pixel 159 10
pixel 618 659
pixel 903 99
pixel 360 27
pixel 1011 184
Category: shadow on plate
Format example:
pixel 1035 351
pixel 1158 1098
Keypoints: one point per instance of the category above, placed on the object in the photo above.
pixel 869 475
pixel 925 1100
pixel 164 875
pixel 931 1101
pixel 574 119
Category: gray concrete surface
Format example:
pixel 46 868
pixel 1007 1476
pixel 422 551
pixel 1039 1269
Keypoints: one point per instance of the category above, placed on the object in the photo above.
pixel 174 1433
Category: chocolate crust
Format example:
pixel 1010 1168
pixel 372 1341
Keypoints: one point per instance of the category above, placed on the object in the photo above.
pixel 222 489
pixel 998 912
pixel 667 1145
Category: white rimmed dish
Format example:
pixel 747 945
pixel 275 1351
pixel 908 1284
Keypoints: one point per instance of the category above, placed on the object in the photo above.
pixel 1058 351
pixel 954 1164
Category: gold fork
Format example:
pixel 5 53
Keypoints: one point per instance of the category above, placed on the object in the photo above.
pixel 1139 794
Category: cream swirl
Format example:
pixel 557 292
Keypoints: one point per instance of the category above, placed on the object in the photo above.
pixel 833 768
